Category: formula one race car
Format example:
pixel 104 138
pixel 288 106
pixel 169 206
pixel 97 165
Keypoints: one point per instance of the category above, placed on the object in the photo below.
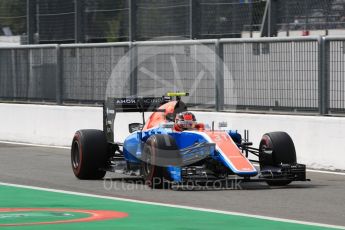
pixel 164 154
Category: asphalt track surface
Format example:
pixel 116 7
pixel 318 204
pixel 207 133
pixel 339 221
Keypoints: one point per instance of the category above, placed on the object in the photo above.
pixel 322 200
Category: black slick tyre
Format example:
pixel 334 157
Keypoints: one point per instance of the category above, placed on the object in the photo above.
pixel 282 151
pixel 159 152
pixel 89 154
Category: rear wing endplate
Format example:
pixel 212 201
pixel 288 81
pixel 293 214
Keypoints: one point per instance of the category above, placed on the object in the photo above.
pixel 130 104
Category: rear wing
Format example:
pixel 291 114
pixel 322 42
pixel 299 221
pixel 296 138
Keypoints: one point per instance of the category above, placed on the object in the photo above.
pixel 144 104
pixel 132 104
pixel 118 105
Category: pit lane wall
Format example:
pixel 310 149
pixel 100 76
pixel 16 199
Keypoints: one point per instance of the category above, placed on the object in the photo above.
pixel 319 141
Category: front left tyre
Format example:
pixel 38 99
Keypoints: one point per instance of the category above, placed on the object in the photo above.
pixel 160 151
pixel 282 151
pixel 89 154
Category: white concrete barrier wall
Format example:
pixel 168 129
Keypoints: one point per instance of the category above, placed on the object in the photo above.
pixel 319 141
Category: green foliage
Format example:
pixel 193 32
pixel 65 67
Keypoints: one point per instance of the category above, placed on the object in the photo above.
pixel 105 19
pixel 112 32
pixel 13 15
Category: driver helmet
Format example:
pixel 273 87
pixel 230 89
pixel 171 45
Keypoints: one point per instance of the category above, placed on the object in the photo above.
pixel 185 120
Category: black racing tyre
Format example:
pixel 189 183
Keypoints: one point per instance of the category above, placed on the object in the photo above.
pixel 283 152
pixel 159 152
pixel 89 154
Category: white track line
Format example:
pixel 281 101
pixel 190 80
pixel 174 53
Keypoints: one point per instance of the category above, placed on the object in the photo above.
pixel 34 145
pixel 178 206
pixel 326 172
pixel 64 147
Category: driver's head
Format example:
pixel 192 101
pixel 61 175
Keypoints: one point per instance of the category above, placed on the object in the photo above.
pixel 185 120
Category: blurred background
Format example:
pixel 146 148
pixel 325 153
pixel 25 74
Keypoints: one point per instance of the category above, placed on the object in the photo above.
pixel 274 55
pixel 77 21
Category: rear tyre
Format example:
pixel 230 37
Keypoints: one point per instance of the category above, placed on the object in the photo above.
pixel 282 152
pixel 160 151
pixel 89 154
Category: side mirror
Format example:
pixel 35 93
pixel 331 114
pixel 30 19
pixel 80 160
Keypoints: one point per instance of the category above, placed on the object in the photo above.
pixel 134 127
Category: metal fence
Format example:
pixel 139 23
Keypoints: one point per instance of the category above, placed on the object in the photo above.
pixel 28 73
pixel 79 21
pixel 310 15
pixel 273 73
pixel 335 69
pixel 178 66
pixel 294 75
pixel 55 21
pixel 86 70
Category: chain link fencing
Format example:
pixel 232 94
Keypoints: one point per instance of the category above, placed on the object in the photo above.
pixel 228 19
pixel 309 15
pixel 91 21
pixel 274 74
pixel 86 70
pixel 55 21
pixel 335 59
pixel 294 75
pixel 79 21
pixel 28 73
pixel 182 66
pixel 106 20
pixel 167 18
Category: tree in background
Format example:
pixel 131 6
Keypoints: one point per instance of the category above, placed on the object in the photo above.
pixel 13 15
pixel 106 20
